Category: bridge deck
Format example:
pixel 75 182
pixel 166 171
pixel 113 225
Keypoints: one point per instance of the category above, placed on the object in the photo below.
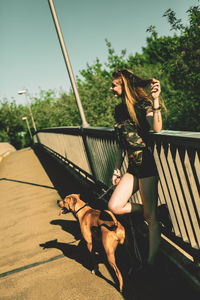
pixel 29 223
pixel 29 217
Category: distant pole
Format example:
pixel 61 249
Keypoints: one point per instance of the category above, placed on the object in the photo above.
pixel 67 62
pixel 27 123
pixel 29 107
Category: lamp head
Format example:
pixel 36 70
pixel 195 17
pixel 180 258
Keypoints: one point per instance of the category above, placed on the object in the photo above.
pixel 22 92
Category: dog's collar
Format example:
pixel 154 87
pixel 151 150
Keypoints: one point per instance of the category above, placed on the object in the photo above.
pixel 86 204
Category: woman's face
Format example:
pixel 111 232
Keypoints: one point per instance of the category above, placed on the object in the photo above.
pixel 116 88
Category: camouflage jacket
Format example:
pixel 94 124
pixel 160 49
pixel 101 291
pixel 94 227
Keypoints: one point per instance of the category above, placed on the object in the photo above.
pixel 131 137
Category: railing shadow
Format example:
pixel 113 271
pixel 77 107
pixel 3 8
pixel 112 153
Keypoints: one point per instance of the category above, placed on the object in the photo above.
pixel 26 182
pixel 64 182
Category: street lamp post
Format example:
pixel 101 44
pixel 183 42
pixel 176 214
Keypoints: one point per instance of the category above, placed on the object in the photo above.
pixel 68 64
pixel 27 123
pixel 31 114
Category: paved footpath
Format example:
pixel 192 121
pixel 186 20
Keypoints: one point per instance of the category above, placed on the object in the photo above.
pixel 39 258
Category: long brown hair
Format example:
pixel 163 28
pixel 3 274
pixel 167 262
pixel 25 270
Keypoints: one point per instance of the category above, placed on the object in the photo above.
pixel 133 90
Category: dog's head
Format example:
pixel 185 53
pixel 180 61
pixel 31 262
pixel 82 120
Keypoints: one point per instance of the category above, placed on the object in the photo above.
pixel 68 203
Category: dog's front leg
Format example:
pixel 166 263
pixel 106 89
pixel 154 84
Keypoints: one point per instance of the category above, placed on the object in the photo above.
pixel 95 268
pixel 87 235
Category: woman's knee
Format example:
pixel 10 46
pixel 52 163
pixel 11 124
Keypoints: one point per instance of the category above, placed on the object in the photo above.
pixel 114 207
pixel 118 201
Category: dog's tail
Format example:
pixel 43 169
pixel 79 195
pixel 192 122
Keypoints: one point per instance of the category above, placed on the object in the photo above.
pixel 107 216
pixel 112 216
pixel 107 219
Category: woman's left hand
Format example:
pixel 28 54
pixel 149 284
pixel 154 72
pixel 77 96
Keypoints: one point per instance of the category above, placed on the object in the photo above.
pixel 155 88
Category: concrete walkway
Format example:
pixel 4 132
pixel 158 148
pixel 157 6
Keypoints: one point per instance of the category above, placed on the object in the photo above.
pixel 39 258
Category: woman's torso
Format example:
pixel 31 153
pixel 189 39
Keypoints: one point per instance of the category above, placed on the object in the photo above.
pixel 131 136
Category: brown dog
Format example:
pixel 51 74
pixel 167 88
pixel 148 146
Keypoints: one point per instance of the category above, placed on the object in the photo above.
pixel 112 232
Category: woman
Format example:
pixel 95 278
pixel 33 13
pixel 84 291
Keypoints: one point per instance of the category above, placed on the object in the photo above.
pixel 135 116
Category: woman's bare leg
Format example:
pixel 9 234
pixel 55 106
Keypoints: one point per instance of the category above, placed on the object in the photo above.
pixel 148 188
pixel 118 202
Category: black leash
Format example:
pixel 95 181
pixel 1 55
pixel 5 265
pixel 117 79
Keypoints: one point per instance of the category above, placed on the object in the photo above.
pixel 112 186
pixel 136 248
pixel 109 189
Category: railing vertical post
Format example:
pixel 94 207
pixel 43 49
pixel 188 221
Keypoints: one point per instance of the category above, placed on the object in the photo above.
pixel 36 135
pixel 89 155
pixel 67 62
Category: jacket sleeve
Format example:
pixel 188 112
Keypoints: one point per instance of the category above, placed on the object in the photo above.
pixel 128 137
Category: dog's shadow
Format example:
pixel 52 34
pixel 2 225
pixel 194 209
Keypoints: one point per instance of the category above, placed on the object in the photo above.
pixel 78 252
pixel 71 227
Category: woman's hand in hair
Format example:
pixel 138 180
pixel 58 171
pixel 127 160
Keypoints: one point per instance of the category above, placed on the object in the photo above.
pixel 116 177
pixel 155 118
pixel 155 88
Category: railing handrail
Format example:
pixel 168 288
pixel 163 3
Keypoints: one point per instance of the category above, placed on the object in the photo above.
pixel 177 137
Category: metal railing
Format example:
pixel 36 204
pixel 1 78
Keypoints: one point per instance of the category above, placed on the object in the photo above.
pixel 177 156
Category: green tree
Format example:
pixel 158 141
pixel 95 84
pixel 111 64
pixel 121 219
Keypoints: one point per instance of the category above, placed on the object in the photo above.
pixel 95 95
pixel 179 58
pixel 11 125
pixel 184 70
pixel 52 111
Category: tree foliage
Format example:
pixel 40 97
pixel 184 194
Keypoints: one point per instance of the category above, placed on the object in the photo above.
pixel 174 60
pixel 184 71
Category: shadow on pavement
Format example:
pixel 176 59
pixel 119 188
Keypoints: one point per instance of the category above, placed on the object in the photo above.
pixel 79 253
pixel 60 175
pixel 69 226
pixel 26 182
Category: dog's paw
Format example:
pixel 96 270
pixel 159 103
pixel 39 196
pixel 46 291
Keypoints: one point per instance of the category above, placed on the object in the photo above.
pixel 95 271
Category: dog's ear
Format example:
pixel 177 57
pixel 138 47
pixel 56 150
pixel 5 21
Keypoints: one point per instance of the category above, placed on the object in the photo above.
pixel 75 196
pixel 69 201
pixel 73 199
pixel 65 199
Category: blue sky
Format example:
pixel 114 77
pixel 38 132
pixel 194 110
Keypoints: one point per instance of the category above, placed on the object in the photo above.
pixel 30 54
